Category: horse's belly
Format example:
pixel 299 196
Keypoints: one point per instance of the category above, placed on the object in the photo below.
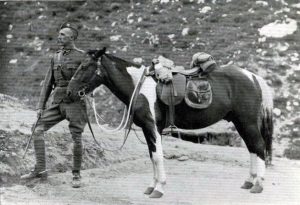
pixel 190 118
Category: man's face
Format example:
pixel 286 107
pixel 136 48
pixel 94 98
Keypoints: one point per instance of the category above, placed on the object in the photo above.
pixel 65 37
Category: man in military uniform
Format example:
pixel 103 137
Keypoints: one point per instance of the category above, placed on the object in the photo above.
pixel 63 66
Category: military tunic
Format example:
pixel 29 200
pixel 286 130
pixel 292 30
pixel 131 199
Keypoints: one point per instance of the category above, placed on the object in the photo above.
pixel 63 66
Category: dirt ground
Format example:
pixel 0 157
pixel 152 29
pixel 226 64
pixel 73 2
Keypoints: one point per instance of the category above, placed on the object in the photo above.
pixel 196 173
pixel 206 175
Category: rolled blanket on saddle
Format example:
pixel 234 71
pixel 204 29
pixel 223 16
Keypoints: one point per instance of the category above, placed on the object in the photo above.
pixel 163 69
pixel 202 63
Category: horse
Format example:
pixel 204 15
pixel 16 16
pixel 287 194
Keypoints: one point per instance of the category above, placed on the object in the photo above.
pixel 239 96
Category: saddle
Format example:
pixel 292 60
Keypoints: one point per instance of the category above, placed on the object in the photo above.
pixel 175 85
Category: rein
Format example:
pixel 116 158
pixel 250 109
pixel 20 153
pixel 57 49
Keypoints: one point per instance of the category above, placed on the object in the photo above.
pixel 96 141
pixel 127 112
pixel 130 109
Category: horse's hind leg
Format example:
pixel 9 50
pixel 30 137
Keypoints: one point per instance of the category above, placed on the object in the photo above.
pixel 256 146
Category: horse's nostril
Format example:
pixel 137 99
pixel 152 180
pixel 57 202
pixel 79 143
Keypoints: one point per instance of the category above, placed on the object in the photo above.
pixel 69 93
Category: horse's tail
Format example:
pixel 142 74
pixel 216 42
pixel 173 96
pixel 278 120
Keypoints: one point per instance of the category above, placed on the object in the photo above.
pixel 267 133
pixel 266 127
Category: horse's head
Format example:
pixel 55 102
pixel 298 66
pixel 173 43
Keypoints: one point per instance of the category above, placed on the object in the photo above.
pixel 86 77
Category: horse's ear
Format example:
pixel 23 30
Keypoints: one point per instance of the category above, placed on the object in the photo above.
pixel 100 52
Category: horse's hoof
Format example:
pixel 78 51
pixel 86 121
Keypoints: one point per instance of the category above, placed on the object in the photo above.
pixel 156 194
pixel 149 190
pixel 257 188
pixel 247 185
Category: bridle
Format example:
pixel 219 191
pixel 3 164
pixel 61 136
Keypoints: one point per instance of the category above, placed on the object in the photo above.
pixel 82 91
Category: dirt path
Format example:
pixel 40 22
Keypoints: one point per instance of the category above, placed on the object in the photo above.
pixel 212 178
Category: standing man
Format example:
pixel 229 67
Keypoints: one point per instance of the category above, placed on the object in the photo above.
pixel 63 66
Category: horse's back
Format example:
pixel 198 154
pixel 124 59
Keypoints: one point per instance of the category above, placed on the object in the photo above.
pixel 245 88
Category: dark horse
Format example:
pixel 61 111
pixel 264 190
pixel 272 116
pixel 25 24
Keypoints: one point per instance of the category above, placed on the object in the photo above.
pixel 238 96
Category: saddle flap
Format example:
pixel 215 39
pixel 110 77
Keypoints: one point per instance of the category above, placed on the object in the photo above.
pixel 173 91
pixel 198 93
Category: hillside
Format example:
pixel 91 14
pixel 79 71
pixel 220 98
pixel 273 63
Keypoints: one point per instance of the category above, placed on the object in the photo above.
pixel 259 36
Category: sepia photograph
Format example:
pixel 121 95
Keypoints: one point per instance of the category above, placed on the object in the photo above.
pixel 136 102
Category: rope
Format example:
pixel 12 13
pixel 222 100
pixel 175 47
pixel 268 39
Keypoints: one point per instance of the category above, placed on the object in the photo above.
pixel 98 144
pixel 97 116
pixel 122 125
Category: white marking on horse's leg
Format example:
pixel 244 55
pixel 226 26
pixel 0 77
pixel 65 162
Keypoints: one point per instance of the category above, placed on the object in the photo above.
pixel 253 168
pixel 159 161
pixel 155 177
pixel 261 168
pixel 257 185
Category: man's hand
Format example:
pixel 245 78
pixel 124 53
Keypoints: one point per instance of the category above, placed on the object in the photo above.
pixel 39 113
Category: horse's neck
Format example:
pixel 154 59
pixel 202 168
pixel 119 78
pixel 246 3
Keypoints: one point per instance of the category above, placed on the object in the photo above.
pixel 125 98
pixel 123 77
pixel 118 86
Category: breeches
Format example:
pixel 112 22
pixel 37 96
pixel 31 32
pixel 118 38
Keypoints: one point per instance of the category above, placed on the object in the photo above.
pixel 75 114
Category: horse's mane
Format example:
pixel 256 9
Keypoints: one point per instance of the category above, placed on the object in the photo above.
pixel 122 61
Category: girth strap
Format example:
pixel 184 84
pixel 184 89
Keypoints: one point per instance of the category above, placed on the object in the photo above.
pixel 172 106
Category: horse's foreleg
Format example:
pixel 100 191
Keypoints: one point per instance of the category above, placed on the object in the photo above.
pixel 156 187
pixel 160 169
pixel 152 185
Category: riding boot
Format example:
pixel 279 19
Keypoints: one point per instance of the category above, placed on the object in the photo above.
pixel 77 152
pixel 39 170
pixel 76 181
pixel 77 159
